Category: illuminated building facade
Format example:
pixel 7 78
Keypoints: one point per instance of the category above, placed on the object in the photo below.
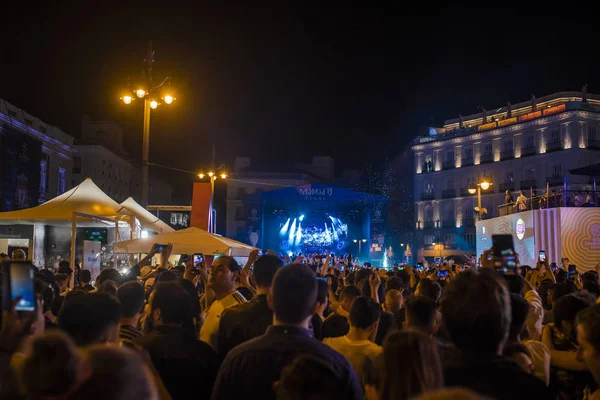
pixel 525 146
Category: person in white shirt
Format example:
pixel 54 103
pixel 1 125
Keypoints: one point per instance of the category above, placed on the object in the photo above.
pixel 358 346
pixel 222 281
pixel 521 203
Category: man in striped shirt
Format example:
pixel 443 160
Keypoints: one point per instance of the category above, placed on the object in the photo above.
pixel 222 281
pixel 131 296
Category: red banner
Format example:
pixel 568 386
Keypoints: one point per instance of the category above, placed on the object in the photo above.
pixel 200 205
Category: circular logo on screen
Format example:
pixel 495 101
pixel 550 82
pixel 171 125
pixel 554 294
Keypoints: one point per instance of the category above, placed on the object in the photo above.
pixel 520 229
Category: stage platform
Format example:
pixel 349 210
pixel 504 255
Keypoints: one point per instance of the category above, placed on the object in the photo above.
pixel 565 232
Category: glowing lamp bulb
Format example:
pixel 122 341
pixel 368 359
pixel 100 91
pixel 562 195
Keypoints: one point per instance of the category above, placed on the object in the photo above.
pixel 201 176
pixel 223 175
pixel 168 99
pixel 485 185
pixel 355 240
pixel 211 174
pixel 364 240
pixel 153 104
pixel 472 190
pixel 140 93
pixel 127 99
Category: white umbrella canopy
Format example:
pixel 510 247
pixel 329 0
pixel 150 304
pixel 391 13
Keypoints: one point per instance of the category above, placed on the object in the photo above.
pixel 148 220
pixel 187 241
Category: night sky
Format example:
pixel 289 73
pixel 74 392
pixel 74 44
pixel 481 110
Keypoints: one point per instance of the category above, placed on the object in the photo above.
pixel 283 83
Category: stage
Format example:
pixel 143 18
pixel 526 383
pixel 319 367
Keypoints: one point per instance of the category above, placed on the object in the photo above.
pixel 566 232
pixel 317 218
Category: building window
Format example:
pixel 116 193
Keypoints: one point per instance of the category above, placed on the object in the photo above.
pixel 488 149
pixel 529 141
pixel 469 153
pixel 555 136
pixel 62 181
pixel 428 163
pixel 530 173
pixel 508 177
pixel 428 187
pixel 450 156
pixel 556 170
pixel 43 176
pixel 469 238
pixel 508 145
pixel 450 184
pixel 592 133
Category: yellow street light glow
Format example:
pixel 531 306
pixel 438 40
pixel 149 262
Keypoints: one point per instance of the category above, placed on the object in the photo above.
pixel 201 176
pixel 223 175
pixel 472 190
pixel 127 99
pixel 140 93
pixel 211 174
pixel 153 104
pixel 169 99
pixel 485 185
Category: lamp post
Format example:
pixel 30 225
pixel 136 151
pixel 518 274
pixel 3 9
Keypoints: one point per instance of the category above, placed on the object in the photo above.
pixel 152 95
pixel 484 185
pixel 212 223
pixel 360 242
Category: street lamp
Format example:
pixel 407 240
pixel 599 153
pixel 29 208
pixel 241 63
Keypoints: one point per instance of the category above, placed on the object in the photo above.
pixel 212 223
pixel 360 242
pixel 484 185
pixel 151 95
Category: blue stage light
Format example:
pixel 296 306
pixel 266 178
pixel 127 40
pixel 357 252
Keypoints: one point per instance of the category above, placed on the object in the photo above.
pixel 299 234
pixel 285 227
pixel 292 232
pixel 301 218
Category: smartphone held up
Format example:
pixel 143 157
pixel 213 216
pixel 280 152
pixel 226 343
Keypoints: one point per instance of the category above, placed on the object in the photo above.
pixel 18 283
pixel 505 257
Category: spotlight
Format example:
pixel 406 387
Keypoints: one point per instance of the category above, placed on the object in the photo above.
pixel 301 218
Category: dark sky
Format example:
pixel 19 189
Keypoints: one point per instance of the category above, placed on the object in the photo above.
pixel 283 83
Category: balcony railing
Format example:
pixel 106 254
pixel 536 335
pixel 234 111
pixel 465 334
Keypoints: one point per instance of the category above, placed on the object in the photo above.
pixel 428 225
pixel 530 183
pixel 555 180
pixel 427 167
pixel 467 162
pixel 427 196
pixel 553 146
pixel 448 193
pixel 449 165
pixel 528 151
pixel 507 155
pixel 593 144
pixel 486 158
pixel 507 186
pixel 449 223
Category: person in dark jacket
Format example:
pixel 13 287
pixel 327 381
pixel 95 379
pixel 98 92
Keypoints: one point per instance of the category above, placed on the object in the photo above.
pixel 252 368
pixel 476 314
pixel 185 364
pixel 248 320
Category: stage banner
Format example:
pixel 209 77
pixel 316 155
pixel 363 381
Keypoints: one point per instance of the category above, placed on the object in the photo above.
pixel 580 236
pixel 91 257
pixel 200 205
pixel 20 156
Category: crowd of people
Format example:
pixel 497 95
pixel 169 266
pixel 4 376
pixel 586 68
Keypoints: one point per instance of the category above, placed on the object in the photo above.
pixel 314 327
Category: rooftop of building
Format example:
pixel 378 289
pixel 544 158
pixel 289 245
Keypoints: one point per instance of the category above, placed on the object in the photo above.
pixel 26 122
pixel 513 113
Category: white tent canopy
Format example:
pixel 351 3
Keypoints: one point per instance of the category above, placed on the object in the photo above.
pixel 85 198
pixel 148 220
pixel 187 241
